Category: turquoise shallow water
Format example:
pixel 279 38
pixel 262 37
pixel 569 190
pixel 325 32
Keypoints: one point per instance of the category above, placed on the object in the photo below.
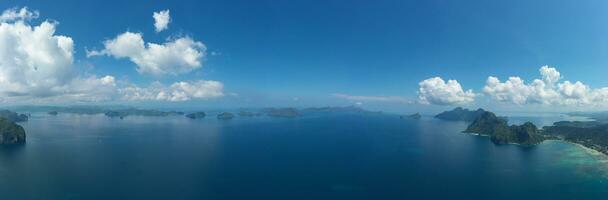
pixel 312 157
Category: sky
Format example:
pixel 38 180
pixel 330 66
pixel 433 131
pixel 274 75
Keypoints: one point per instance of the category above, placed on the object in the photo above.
pixel 400 56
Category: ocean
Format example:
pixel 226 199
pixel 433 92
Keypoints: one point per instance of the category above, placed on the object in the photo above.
pixel 317 156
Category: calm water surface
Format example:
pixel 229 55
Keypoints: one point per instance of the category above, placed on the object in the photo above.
pixel 312 157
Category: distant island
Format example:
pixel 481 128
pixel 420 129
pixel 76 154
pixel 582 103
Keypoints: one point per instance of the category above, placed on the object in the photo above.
pixel 10 132
pixel 412 116
pixel 140 112
pixel 282 112
pixel 225 116
pixel 500 132
pixel 196 115
pixel 122 111
pixel 460 114
pixel 336 109
pixel 13 116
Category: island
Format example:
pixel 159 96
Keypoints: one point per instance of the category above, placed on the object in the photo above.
pixel 225 116
pixel 600 117
pixel 53 113
pixel 282 112
pixel 139 112
pixel 336 109
pixel 486 123
pixel 460 114
pixel 11 133
pixel 412 116
pixel 13 116
pixel 590 134
pixel 196 115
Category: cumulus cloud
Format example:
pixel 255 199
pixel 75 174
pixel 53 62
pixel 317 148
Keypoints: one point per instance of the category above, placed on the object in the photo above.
pixel 15 14
pixel 436 91
pixel 161 20
pixel 179 91
pixel 546 90
pixel 176 56
pixel 360 99
pixel 36 65
pixel 33 60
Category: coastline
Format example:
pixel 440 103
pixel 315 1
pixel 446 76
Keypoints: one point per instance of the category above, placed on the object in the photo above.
pixel 588 150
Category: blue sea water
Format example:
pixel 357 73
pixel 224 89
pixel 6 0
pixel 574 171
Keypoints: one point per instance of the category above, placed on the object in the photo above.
pixel 329 156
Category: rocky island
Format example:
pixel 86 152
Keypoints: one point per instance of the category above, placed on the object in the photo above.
pixel 196 115
pixel 460 114
pixel 225 116
pixel 11 133
pixel 282 112
pixel 488 124
pixel 139 112
pixel 412 116
pixel 13 116
pixel 591 134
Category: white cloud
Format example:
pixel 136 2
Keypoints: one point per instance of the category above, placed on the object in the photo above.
pixel 546 90
pixel 161 20
pixel 179 91
pixel 177 56
pixel 36 65
pixel 359 99
pixel 437 91
pixel 15 14
pixel 33 60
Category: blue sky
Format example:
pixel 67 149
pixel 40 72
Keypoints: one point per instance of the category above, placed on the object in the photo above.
pixel 303 53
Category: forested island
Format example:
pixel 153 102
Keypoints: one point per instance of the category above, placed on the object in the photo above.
pixel 412 116
pixel 196 115
pixel 460 114
pixel 591 134
pixel 282 112
pixel 13 116
pixel 10 132
pixel 140 112
pixel 225 116
pixel 500 132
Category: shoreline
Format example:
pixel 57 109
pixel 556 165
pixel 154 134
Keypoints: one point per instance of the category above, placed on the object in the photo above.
pixel 587 149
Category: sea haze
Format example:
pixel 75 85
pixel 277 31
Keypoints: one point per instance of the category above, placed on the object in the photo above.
pixel 316 156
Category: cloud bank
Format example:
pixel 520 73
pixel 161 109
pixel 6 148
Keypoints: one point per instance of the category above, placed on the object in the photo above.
pixel 179 91
pixel 359 99
pixel 546 90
